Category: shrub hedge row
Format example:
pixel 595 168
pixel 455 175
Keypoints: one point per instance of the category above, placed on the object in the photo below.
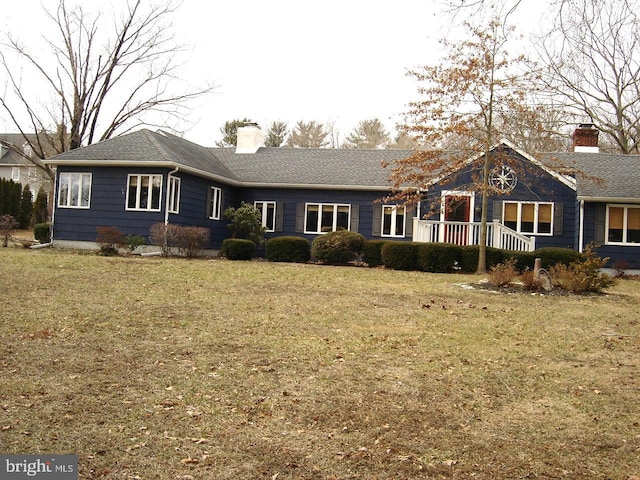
pixel 426 257
pixel 447 258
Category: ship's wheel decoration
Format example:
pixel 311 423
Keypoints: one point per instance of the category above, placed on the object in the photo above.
pixel 503 178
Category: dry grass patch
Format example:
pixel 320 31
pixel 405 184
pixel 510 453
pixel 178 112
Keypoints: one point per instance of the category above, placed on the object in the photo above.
pixel 169 368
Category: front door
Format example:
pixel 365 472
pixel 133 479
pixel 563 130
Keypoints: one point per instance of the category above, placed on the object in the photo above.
pixel 457 215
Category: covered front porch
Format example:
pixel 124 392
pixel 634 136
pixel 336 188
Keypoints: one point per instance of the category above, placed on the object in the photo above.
pixel 468 233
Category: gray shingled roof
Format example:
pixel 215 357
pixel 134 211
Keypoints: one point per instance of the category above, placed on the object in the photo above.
pixel 311 166
pixel 146 147
pixel 604 175
pixel 305 167
pixel 268 166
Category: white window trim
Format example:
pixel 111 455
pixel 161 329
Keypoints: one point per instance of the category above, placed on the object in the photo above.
pixel 318 226
pixel 624 225
pixel 15 174
pixel 216 202
pixel 174 195
pixel 394 219
pixel 69 181
pixel 137 208
pixel 535 217
pixel 263 213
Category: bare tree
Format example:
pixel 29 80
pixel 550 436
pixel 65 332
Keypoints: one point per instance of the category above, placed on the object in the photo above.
pixel 91 85
pixel 463 96
pixel 368 134
pixel 592 63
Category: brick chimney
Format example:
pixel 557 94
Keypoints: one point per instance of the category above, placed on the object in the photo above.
pixel 250 139
pixel 585 138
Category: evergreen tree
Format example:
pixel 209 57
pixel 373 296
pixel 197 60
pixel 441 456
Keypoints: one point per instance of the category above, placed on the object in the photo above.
pixel 26 208
pixel 15 200
pixel 230 132
pixel 368 134
pixel 276 134
pixel 40 208
pixel 308 135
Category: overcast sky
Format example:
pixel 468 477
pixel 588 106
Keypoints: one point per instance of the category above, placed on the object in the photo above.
pixel 290 60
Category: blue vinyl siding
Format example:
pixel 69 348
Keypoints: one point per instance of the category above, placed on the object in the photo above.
pixel 594 233
pixel 289 199
pixel 534 185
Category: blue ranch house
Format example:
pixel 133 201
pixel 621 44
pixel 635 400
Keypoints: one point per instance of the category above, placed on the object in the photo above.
pixel 143 178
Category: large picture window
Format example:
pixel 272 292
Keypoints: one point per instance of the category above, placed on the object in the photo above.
pixel 74 190
pixel 533 218
pixel 144 192
pixel 214 202
pixel 393 221
pixel 326 217
pixel 623 224
pixel 267 214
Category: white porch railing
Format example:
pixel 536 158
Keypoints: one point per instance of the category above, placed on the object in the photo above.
pixel 468 233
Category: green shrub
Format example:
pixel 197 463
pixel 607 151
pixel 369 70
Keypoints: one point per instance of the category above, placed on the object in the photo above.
pixel 238 248
pixel 438 257
pixel 110 239
pixel 288 249
pixel 134 241
pixel 469 258
pixel 400 255
pixel 245 222
pixel 42 232
pixel 338 247
pixel 372 252
pixel 552 256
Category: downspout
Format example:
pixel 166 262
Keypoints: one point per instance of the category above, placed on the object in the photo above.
pixel 166 208
pixel 53 207
pixel 166 203
pixel 581 226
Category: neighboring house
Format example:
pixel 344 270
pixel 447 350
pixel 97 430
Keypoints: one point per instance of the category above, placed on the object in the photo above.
pixel 137 180
pixel 14 166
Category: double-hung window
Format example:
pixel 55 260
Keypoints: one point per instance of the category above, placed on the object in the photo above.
pixel 533 218
pixel 267 214
pixel 623 224
pixel 144 192
pixel 214 203
pixel 74 190
pixel 326 217
pixel 393 220
pixel 174 195
pixel 15 174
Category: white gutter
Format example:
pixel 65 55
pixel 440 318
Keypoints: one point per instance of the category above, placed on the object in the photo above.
pixel 166 203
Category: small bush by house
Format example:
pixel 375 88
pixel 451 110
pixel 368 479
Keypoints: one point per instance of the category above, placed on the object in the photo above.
pixel 238 248
pixel 337 247
pixel 42 232
pixel 110 240
pixel 554 256
pixel 438 257
pixel 400 255
pixel 372 252
pixel 469 257
pixel 288 249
